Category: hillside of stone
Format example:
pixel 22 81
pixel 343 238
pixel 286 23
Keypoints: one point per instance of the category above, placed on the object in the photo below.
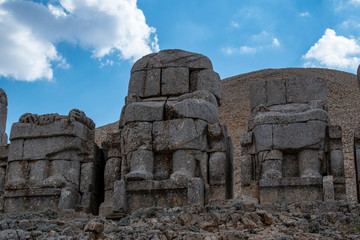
pixel 344 108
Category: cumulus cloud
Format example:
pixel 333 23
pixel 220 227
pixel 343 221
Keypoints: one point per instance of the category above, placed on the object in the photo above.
pixel 334 51
pixel 29 32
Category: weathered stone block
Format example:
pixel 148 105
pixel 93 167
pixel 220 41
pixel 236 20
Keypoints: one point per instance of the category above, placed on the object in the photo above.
pixel 276 92
pixel 137 83
pixel 38 172
pixel 218 167
pixel 207 80
pixel 257 94
pixel 309 163
pixel 303 90
pixel 136 136
pixel 120 197
pixel 184 164
pixel 87 177
pixel 192 108
pixel 112 172
pixel 16 150
pixel 16 174
pixel 328 188
pixel 263 135
pixel 152 82
pixel 179 134
pixel 196 191
pixel 175 81
pixel 69 198
pixel 163 166
pixel 199 95
pixel 172 58
pixel 335 132
pixel 143 112
pixel 337 163
pixel 299 135
pixel 70 170
pixel 141 165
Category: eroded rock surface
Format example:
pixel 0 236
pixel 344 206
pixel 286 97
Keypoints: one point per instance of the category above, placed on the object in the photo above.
pixel 290 145
pixel 170 148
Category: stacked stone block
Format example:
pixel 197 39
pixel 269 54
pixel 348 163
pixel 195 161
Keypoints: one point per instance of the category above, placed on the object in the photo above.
pixel 173 149
pixel 4 147
pixel 290 145
pixel 53 162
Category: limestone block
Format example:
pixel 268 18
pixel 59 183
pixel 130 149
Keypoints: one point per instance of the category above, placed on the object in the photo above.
pixel 271 169
pixel 309 163
pixel 145 83
pixel 175 81
pixel 172 58
pixel 143 112
pixel 141 165
pixel 184 164
pixel 3 138
pixel 218 167
pixel 199 94
pixel 120 197
pixel 162 166
pixel 299 135
pixel 276 92
pixel 112 172
pixel 61 127
pixel 16 174
pixel 257 94
pixel 337 163
pixel 328 188
pixel 46 148
pixel 152 82
pixel 16 150
pixel 179 134
pixel 196 191
pixel 69 198
pixel 192 108
pixel 38 172
pixel 303 90
pixel 87 177
pixel 137 84
pixel 207 80
pixel 136 136
pixel 70 170
pixel 263 135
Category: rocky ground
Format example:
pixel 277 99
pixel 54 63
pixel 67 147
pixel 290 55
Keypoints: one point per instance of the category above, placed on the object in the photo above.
pixel 232 220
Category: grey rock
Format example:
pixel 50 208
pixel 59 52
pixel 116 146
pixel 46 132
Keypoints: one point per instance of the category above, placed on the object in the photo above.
pixel 335 132
pixel 192 108
pixel 112 172
pixel 69 198
pixel 200 95
pixel 276 92
pixel 328 186
pixel 309 163
pixel 172 58
pixel 175 81
pixel 143 112
pixel 305 90
pixel 38 172
pixel 12 234
pixel 218 167
pixel 196 191
pixel 184 164
pixel 263 135
pixel 206 80
pixel 145 83
pixel 299 135
pixel 141 165
pixel 136 136
pixel 179 134
pixel 87 177
pixel 257 94
pixel 337 163
pixel 120 197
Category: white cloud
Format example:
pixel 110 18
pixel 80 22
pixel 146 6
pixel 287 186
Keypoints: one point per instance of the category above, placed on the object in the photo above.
pixel 29 31
pixel 334 51
pixel 304 14
pixel 275 42
pixel 355 1
pixel 240 50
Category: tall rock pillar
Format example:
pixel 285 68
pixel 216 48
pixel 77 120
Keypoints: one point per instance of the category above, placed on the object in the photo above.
pixel 3 116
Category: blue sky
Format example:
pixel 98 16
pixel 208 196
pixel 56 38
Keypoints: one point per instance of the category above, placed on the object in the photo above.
pixel 56 55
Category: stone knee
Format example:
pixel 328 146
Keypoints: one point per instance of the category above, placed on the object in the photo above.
pixel 271 163
pixel 309 163
pixel 141 165
pixel 184 164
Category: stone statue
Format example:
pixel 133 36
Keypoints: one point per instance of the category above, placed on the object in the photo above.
pixel 52 162
pixel 290 137
pixel 170 136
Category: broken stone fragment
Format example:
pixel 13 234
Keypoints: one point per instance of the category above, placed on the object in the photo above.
pixel 207 80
